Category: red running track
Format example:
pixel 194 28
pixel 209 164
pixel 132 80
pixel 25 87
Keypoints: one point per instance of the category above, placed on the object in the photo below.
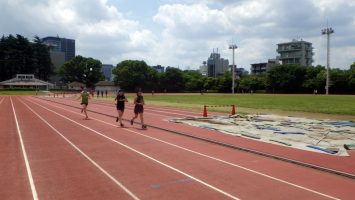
pixel 71 158
pixel 158 117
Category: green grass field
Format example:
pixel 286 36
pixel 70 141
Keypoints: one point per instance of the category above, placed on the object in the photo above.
pixel 343 105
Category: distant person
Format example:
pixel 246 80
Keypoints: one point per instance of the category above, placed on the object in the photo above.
pixel 138 109
pixel 92 92
pixel 102 94
pixel 106 93
pixel 84 102
pixel 120 105
pixel 98 94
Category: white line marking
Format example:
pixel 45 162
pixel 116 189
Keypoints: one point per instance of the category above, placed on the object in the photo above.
pixel 28 168
pixel 85 155
pixel 144 155
pixel 2 100
pixel 213 158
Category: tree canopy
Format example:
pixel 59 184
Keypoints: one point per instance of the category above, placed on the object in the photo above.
pixel 18 55
pixel 133 75
pixel 81 69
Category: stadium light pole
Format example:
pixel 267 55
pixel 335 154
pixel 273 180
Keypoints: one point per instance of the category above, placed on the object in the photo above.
pixel 233 47
pixel 327 31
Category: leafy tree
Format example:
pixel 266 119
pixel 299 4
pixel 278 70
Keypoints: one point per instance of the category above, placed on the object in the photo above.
pixel 351 78
pixel 19 55
pixel 193 80
pixel 81 69
pixel 133 74
pixel 338 81
pixel 172 80
pixel 210 83
pixel 315 78
pixel 225 82
pixel 253 82
pixel 286 78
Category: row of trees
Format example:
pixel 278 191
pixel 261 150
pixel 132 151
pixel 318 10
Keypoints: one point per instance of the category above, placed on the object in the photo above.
pixel 19 55
pixel 301 79
pixel 132 74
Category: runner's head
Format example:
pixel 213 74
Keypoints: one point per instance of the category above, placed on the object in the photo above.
pixel 139 93
pixel 120 92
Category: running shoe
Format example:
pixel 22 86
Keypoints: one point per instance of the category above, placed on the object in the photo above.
pixel 144 126
pixel 132 122
pixel 116 119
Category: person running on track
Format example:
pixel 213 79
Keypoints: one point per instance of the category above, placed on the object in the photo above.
pixel 84 102
pixel 138 109
pixel 120 104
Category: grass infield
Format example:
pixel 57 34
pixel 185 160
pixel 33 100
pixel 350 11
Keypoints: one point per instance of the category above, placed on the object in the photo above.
pixel 333 104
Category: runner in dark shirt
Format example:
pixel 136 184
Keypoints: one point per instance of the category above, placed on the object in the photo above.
pixel 120 105
pixel 138 109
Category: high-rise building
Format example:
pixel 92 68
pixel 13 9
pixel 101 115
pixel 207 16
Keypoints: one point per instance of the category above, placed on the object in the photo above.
pixel 216 66
pixel 203 68
pixel 58 44
pixel 296 52
pixel 159 68
pixel 106 69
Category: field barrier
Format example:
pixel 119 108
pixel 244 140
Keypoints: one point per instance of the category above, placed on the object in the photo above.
pixel 214 106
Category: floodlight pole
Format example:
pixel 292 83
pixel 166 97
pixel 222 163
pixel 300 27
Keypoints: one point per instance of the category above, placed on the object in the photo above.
pixel 233 47
pixel 327 31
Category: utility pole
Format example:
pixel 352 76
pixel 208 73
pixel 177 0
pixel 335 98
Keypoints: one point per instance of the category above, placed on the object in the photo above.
pixel 233 47
pixel 327 31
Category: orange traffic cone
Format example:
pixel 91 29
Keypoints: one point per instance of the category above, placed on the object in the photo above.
pixel 233 109
pixel 205 111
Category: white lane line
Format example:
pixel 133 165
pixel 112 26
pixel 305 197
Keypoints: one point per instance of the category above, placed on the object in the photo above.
pixel 2 100
pixel 24 153
pixel 144 155
pixel 85 155
pixel 211 157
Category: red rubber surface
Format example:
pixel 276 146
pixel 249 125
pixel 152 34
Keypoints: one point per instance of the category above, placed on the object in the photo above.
pixel 61 172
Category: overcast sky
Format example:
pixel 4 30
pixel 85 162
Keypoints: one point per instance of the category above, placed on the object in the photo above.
pixel 183 33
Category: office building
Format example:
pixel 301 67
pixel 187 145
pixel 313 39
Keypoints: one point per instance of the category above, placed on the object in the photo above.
pixel 58 44
pixel 216 66
pixel 259 68
pixel 159 68
pixel 296 52
pixel 203 68
pixel 106 70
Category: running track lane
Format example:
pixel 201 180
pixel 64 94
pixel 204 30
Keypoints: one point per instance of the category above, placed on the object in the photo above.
pixel 14 182
pixel 346 164
pixel 58 170
pixel 284 190
pixel 146 179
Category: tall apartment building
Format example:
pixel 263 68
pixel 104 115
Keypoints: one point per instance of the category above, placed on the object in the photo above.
pixel 296 52
pixel 216 66
pixel 58 44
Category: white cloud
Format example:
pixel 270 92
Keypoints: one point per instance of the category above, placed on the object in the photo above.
pixel 184 32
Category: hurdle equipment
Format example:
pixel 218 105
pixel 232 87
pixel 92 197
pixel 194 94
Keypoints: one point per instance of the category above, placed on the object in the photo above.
pixel 212 106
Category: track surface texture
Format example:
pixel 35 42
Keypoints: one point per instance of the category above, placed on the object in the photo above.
pixel 47 151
